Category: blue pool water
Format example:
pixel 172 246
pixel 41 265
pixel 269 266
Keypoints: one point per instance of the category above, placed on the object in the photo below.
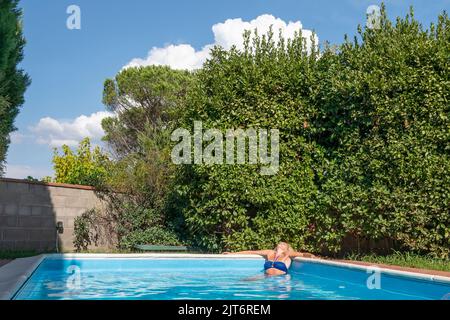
pixel 209 279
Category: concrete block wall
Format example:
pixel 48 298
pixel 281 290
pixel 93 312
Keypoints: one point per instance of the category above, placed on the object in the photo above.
pixel 29 212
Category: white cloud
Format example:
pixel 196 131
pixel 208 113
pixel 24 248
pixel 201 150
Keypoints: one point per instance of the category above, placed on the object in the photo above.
pixel 55 133
pixel 23 171
pixel 17 137
pixel 226 34
pixel 181 56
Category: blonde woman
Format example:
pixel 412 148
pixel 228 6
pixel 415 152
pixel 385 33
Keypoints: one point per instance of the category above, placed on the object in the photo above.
pixel 278 261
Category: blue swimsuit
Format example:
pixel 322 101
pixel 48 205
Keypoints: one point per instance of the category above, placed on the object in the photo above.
pixel 276 265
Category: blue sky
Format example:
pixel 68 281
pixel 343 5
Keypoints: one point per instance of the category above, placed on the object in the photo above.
pixel 68 67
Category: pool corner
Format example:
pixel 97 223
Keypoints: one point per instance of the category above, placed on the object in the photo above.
pixel 14 274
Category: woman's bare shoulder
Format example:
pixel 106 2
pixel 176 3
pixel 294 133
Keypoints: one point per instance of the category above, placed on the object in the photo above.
pixel 270 254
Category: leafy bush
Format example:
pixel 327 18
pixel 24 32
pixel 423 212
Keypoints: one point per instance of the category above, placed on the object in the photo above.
pixel 147 103
pixel 85 230
pixel 267 85
pixel 364 150
pixel 384 120
pixel 95 228
pixel 86 166
pixel 135 224
pixel 364 154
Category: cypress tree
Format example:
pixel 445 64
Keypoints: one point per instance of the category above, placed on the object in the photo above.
pixel 13 80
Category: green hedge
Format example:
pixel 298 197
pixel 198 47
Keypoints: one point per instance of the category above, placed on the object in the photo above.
pixel 364 153
pixel 384 118
pixel 234 206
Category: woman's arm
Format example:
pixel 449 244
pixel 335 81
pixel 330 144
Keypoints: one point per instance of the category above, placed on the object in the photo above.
pixel 263 253
pixel 294 254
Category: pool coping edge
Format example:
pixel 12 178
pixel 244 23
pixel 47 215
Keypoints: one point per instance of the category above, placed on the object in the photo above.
pixel 14 274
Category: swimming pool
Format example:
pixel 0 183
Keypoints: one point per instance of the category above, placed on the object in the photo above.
pixel 58 278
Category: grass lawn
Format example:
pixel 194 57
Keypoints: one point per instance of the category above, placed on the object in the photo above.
pixel 10 255
pixel 409 260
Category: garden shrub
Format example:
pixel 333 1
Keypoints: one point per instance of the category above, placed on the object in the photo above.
pixel 135 224
pixel 364 145
pixel 267 85
pixel 364 142
pixel 86 166
pixel 384 121
pixel 147 103
pixel 95 228
pixel 86 230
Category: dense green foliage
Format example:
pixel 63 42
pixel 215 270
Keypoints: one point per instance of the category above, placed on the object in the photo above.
pixel 86 166
pixel 384 106
pixel 13 81
pixel 85 230
pixel 143 100
pixel 365 134
pixel 146 103
pixel 233 206
pixel 364 146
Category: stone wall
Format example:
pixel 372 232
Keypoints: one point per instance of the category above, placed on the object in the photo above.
pixel 29 212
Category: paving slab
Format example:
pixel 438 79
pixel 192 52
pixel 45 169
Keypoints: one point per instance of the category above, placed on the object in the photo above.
pixel 3 262
pixel 14 274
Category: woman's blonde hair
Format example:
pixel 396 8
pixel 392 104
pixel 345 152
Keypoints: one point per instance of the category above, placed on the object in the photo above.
pixel 287 247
